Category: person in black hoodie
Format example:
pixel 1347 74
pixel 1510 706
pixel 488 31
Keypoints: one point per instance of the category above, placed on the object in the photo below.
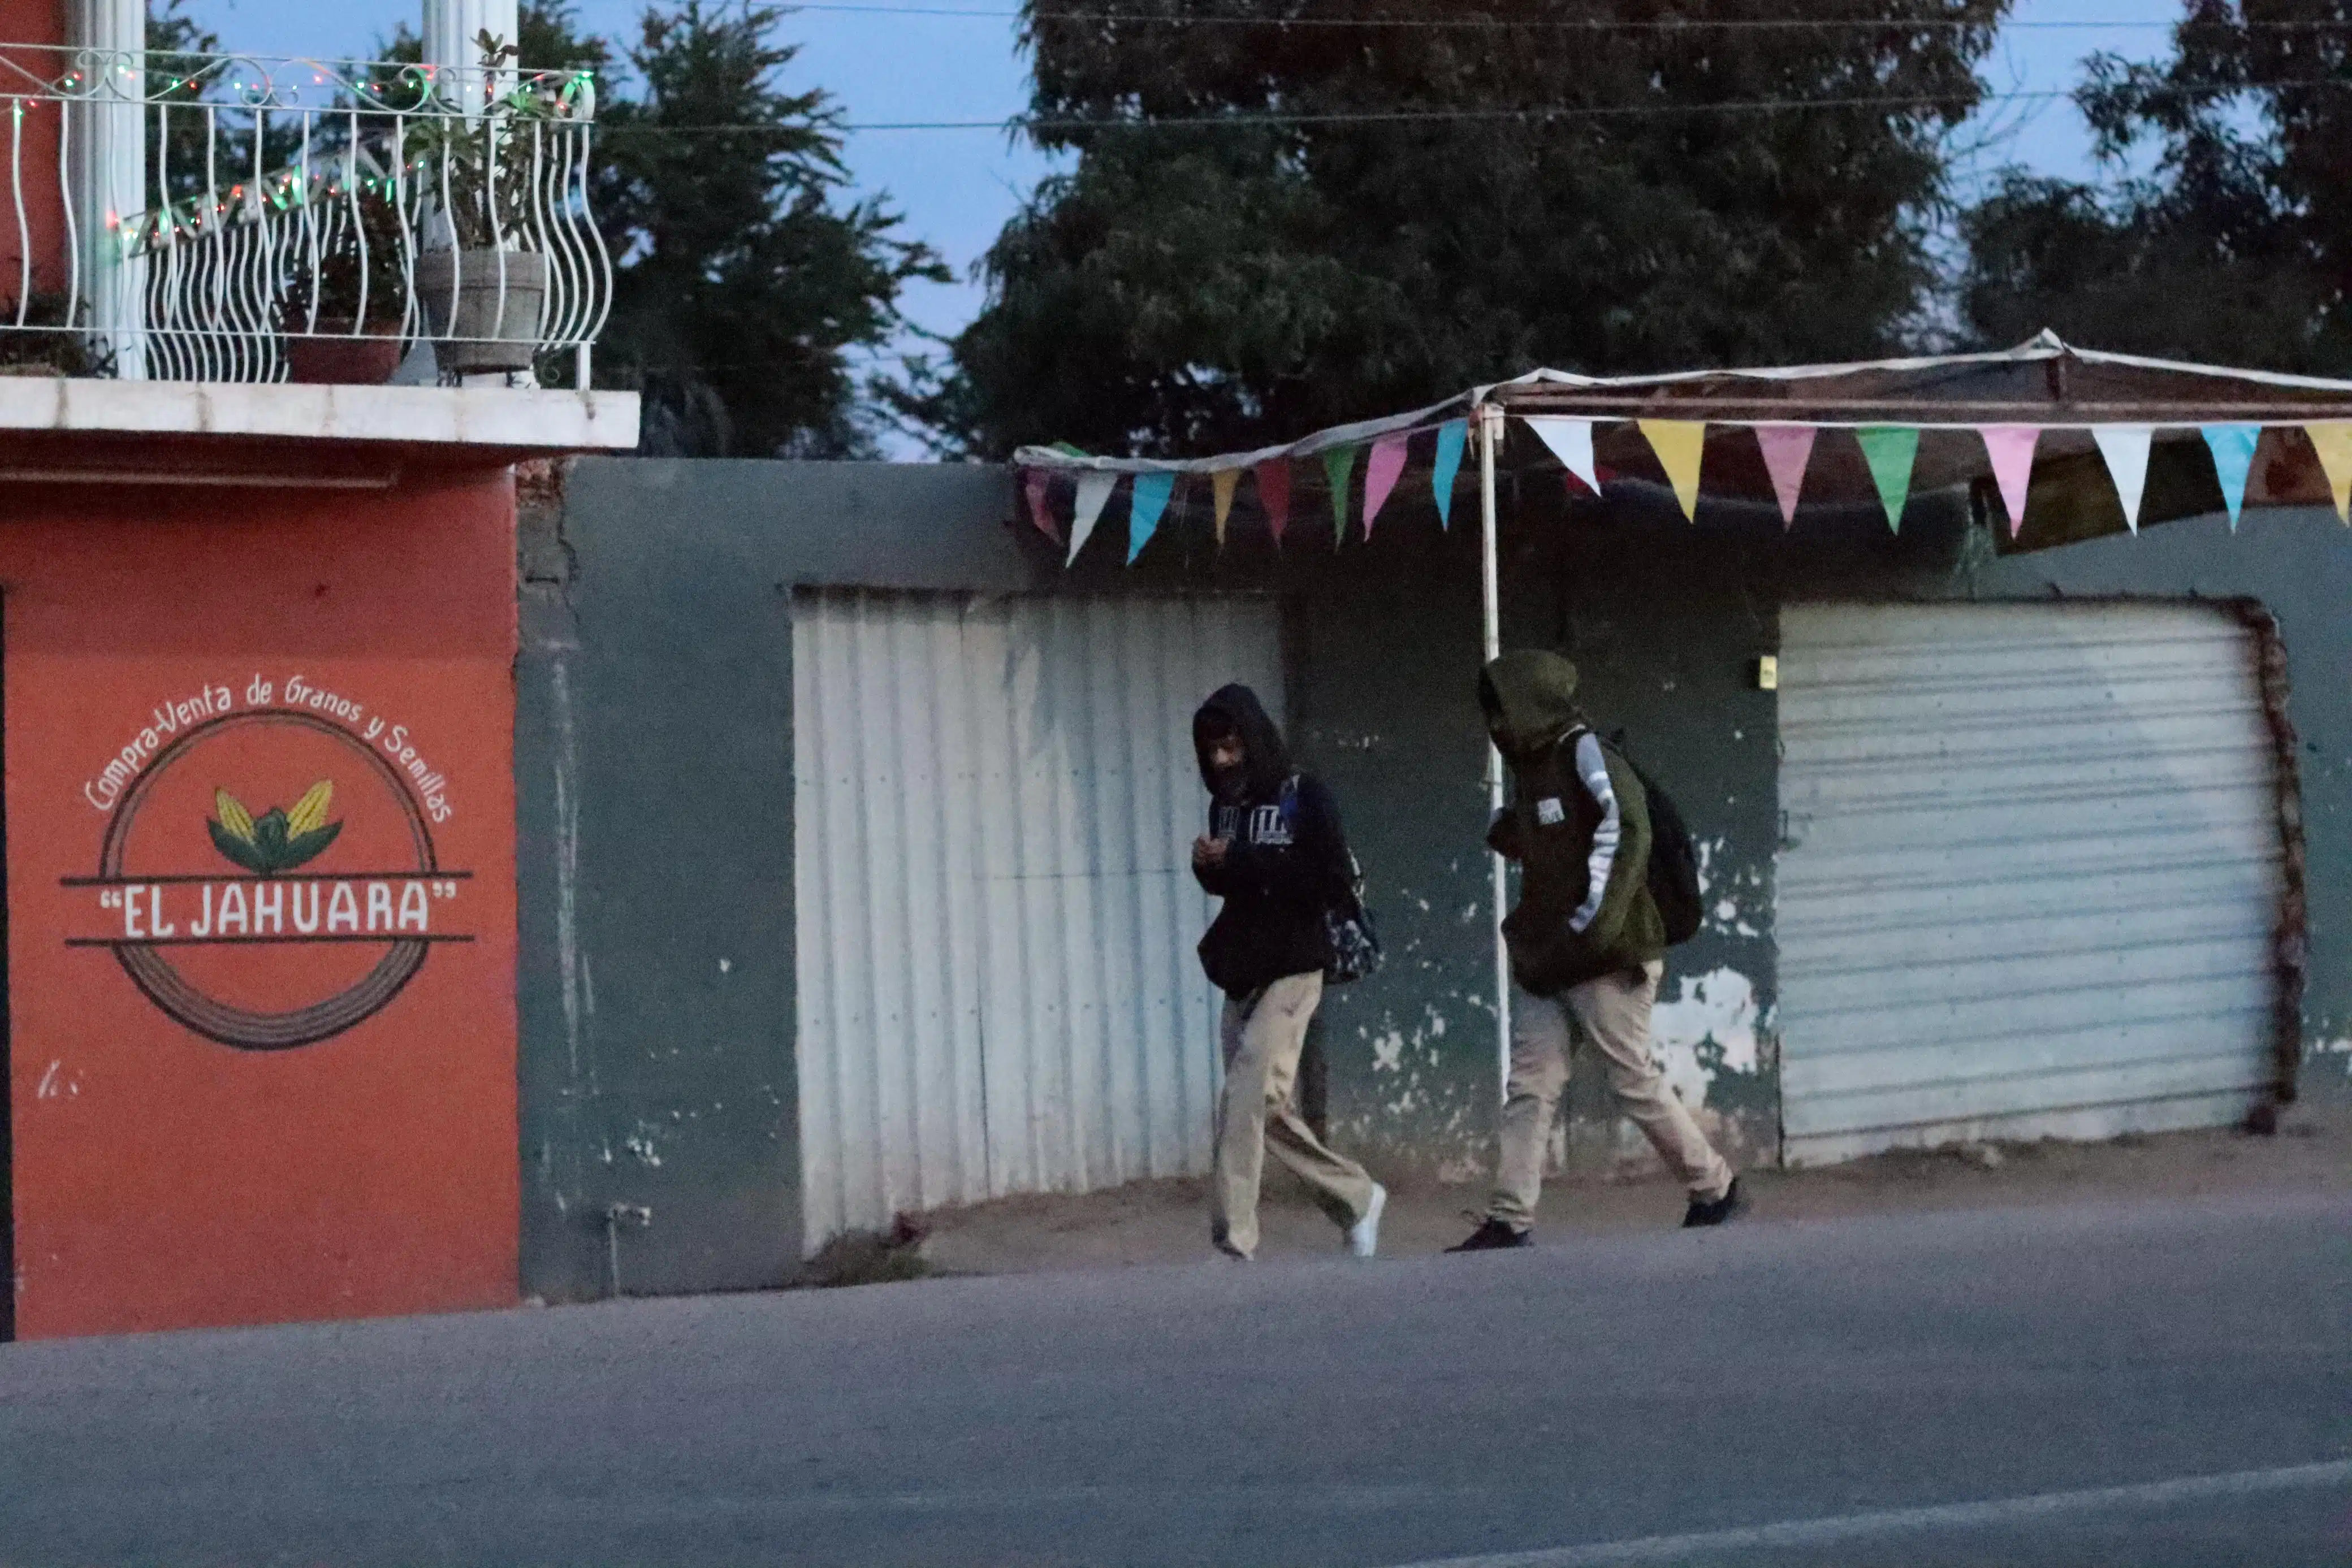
pixel 1275 853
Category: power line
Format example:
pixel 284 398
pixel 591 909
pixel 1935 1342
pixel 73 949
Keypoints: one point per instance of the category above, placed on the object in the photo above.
pixel 1408 116
pixel 1587 23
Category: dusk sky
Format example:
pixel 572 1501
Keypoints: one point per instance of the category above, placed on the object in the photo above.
pixel 958 187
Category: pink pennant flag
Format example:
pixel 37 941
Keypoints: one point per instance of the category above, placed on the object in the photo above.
pixel 1788 448
pixel 2011 447
pixel 1381 471
pixel 1274 494
pixel 1040 512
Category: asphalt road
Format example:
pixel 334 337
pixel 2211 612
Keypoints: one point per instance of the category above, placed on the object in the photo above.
pixel 2159 1383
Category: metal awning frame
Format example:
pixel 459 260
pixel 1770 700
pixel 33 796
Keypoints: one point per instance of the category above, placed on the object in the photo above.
pixel 1927 393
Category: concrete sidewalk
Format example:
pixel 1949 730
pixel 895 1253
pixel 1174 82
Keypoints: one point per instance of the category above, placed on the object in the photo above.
pixel 1167 1221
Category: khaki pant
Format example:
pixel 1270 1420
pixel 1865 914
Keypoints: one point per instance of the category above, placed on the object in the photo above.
pixel 1262 1038
pixel 1614 1014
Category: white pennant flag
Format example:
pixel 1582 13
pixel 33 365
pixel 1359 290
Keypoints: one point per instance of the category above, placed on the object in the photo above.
pixel 1570 441
pixel 2124 446
pixel 1094 494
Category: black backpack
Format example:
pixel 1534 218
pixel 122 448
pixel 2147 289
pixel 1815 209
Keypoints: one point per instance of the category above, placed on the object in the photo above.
pixel 1674 862
pixel 1354 940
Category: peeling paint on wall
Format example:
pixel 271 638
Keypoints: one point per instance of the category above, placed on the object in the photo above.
pixel 1709 1029
pixel 1413 1061
pixel 1728 888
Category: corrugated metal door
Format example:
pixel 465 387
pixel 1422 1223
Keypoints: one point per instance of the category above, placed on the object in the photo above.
pixel 2029 873
pixel 993 800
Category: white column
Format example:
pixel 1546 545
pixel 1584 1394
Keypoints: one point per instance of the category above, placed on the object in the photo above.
pixel 452 27
pixel 109 171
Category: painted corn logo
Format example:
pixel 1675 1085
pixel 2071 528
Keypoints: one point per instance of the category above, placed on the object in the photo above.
pixel 270 930
pixel 280 840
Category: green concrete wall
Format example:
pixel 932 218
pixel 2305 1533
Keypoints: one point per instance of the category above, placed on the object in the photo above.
pixel 655 706
pixel 653 757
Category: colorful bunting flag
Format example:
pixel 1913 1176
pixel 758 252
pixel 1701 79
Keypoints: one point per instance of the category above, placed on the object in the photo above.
pixel 1274 494
pixel 1788 448
pixel 2124 446
pixel 2332 442
pixel 1890 450
pixel 1381 471
pixel 1570 441
pixel 1338 464
pixel 1094 487
pixel 1680 444
pixel 1146 504
pixel 1452 436
pixel 2232 447
pixel 2010 449
pixel 1222 484
pixel 1040 511
pixel 1891 453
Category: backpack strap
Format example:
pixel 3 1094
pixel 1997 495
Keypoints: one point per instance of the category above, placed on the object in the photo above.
pixel 1350 876
pixel 1564 748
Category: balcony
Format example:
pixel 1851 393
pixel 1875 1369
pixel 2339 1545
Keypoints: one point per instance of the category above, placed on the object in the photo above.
pixel 243 220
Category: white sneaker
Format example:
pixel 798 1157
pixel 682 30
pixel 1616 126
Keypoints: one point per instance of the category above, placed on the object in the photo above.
pixel 1364 1236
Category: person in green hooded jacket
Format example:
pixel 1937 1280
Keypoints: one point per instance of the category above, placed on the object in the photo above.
pixel 1586 940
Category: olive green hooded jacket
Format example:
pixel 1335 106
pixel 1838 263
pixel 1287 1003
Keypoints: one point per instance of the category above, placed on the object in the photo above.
pixel 1579 817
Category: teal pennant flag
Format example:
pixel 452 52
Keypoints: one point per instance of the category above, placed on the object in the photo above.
pixel 1145 507
pixel 1452 436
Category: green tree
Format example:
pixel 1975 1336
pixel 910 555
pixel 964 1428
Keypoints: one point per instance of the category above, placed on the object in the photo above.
pixel 2234 246
pixel 1370 221
pixel 746 289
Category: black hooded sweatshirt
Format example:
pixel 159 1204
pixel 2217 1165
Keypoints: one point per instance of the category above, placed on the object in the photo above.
pixel 1286 860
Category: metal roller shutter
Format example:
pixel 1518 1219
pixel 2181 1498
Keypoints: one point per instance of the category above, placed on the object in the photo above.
pixel 2029 875
pixel 996 915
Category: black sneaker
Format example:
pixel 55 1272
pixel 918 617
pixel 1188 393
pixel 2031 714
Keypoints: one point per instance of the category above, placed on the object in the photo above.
pixel 1715 1210
pixel 1492 1235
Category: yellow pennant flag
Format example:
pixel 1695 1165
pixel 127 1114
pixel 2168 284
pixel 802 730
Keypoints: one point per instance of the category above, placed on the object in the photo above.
pixel 1679 443
pixel 1222 484
pixel 2332 442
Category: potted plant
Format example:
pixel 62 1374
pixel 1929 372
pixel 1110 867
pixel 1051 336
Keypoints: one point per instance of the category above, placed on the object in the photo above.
pixel 342 323
pixel 50 342
pixel 483 295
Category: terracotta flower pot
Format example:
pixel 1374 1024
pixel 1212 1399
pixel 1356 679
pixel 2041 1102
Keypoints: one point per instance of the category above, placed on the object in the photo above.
pixel 336 357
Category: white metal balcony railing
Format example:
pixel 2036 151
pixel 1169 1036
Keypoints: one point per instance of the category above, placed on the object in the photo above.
pixel 301 219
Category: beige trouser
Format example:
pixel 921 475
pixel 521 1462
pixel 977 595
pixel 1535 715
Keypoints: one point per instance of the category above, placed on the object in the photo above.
pixel 1262 1038
pixel 1613 1012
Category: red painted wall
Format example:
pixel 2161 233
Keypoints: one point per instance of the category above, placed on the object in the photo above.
pixel 28 147
pixel 32 21
pixel 177 1161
